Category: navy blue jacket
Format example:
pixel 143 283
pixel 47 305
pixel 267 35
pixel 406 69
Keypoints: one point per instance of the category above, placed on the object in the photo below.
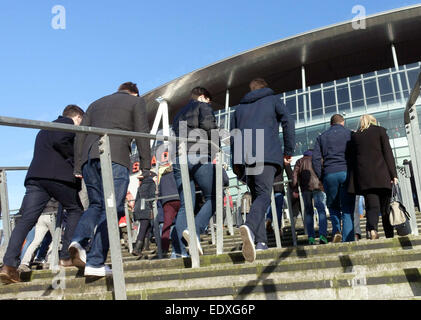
pixel 168 187
pixel 53 155
pixel 261 109
pixel 333 147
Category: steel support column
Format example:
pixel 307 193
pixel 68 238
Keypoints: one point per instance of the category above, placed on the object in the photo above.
pixel 4 196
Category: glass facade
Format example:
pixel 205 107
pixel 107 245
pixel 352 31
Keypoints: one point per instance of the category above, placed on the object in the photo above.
pixel 382 93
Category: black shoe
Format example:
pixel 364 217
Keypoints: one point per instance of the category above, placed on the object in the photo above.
pixel 147 244
pixel 137 250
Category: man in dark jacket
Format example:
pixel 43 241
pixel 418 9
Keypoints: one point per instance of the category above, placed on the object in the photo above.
pixel 311 189
pixel 123 110
pixel 50 174
pixel 331 163
pixel 261 158
pixel 195 119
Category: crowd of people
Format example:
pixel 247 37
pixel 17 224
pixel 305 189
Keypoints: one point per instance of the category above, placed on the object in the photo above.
pixel 342 165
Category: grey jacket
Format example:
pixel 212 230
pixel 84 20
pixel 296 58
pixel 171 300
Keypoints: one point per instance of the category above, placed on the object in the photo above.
pixel 120 111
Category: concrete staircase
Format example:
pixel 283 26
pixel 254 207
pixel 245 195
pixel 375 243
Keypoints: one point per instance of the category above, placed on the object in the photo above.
pixel 378 269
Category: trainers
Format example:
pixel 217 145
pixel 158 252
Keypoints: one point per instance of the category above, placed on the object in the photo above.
pixel 186 236
pixel 323 240
pixel 249 250
pixel 98 271
pixel 311 241
pixel 123 222
pixel 261 246
pixel 23 268
pixel 77 254
pixel 337 238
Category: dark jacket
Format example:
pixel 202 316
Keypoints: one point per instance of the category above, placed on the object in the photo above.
pixel 168 187
pixel 261 109
pixel 279 188
pixel 374 163
pixel 53 155
pixel 331 151
pixel 304 175
pixel 144 209
pixel 120 111
pixel 197 115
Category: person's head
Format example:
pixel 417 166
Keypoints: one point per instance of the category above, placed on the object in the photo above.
pixel 130 88
pixel 366 120
pixel 337 119
pixel 257 83
pixel 201 94
pixel 74 112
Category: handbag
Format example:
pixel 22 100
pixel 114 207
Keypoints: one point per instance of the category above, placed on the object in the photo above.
pixel 398 213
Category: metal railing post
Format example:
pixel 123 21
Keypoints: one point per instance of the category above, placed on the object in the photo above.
pixel 56 238
pixel 275 220
pixel 156 229
pixel 406 176
pixel 212 227
pixel 128 228
pixel 112 220
pixel 229 215
pixel 219 205
pixel 303 210
pixel 291 215
pixel 191 226
pixel 5 207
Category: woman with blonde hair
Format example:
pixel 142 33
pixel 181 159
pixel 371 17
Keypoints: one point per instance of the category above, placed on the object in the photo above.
pixel 374 172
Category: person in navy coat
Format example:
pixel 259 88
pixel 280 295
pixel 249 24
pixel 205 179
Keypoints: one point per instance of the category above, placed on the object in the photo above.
pixel 257 155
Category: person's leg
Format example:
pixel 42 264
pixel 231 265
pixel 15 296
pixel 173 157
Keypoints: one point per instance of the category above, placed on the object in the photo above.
pixel 170 212
pixel 181 219
pixel 261 188
pixel 43 249
pixel 372 205
pixel 308 212
pixel 331 187
pixel 204 175
pixel 279 201
pixel 385 196
pixel 41 229
pixel 320 204
pixel 347 208
pixel 33 204
pixel 97 255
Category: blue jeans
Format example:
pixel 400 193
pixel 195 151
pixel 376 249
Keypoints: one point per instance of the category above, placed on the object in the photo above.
pixel 95 216
pixel 203 174
pixel 340 203
pixel 319 198
pixel 279 202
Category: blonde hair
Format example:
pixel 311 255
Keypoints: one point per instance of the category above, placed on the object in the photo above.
pixel 366 121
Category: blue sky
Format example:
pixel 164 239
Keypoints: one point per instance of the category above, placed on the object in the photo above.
pixel 106 43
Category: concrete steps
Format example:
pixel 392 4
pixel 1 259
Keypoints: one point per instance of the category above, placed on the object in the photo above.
pixel 380 269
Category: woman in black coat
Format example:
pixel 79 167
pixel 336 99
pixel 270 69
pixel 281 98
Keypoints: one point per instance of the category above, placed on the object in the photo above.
pixel 374 172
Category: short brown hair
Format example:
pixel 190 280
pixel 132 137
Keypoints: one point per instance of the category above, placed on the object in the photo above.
pixel 336 118
pixel 199 91
pixel 129 86
pixel 257 83
pixel 72 110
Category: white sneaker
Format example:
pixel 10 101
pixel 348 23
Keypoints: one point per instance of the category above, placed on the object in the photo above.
pixel 186 236
pixel 249 250
pixel 98 271
pixel 77 254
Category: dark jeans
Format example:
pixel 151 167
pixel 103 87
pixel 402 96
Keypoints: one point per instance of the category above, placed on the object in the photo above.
pixel 144 229
pixel 95 216
pixel 38 193
pixel 378 201
pixel 203 174
pixel 279 202
pixel 170 212
pixel 261 189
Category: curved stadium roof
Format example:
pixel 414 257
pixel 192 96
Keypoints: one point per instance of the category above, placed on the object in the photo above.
pixel 328 54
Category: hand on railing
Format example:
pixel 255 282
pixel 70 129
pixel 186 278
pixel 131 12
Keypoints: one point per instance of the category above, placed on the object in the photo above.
pixel 394 181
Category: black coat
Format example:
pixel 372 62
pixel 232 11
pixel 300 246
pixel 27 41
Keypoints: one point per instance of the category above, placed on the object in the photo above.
pixel 53 155
pixel 374 165
pixel 120 111
pixel 145 191
pixel 261 109
pixel 196 115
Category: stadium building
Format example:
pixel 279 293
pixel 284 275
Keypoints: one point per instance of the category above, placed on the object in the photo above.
pixel 337 69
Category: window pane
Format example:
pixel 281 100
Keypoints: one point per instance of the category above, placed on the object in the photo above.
pixel 291 105
pixel 357 96
pixel 330 102
pixel 343 98
pixel 412 77
pixel 371 92
pixel 386 90
pixel 316 104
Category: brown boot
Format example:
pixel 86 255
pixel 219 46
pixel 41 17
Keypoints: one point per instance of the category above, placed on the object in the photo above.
pixel 9 275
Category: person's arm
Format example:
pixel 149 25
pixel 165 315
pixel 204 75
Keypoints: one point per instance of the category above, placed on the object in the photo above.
pixel 388 154
pixel 288 127
pixel 295 175
pixel 78 145
pixel 317 158
pixel 141 124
